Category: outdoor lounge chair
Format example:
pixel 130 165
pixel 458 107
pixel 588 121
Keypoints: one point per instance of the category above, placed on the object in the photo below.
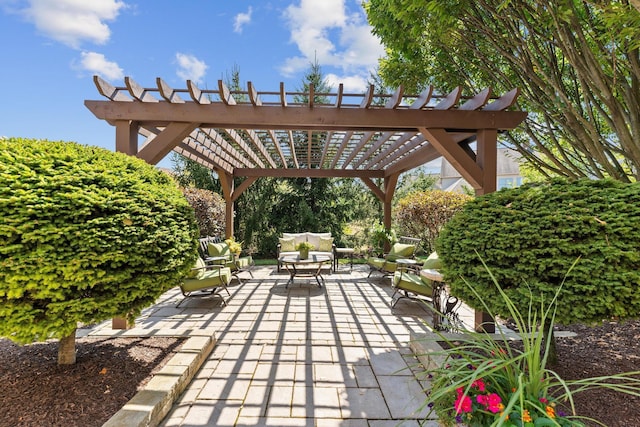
pixel 219 253
pixel 408 282
pixel 205 280
pixel 413 281
pixel 405 248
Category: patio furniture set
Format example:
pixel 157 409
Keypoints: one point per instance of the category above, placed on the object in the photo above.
pixel 216 266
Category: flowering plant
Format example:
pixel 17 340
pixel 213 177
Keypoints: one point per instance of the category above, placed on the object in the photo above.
pixel 484 381
pixel 234 247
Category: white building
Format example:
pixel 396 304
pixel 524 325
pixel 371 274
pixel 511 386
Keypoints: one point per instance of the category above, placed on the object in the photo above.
pixel 508 173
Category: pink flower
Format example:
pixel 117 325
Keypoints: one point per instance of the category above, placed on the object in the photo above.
pixel 494 403
pixel 482 399
pixel 463 404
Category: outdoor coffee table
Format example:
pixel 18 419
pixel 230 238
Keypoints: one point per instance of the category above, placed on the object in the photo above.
pixel 310 267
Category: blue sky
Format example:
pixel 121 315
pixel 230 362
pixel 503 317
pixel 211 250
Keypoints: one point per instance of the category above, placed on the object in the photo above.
pixel 52 48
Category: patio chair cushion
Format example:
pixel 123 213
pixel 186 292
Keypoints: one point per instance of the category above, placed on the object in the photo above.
pixel 219 249
pixel 400 250
pixel 413 283
pixel 243 262
pixel 210 278
pixel 382 264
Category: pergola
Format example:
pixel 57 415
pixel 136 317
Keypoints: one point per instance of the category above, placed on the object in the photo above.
pixel 252 134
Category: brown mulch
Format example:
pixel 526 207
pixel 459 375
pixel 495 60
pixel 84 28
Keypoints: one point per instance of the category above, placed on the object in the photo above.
pixel 607 349
pixel 36 391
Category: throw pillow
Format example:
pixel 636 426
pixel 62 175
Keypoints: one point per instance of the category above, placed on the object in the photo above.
pixel 198 271
pixel 219 249
pixel 287 245
pixel 326 244
pixel 400 250
pixel 432 262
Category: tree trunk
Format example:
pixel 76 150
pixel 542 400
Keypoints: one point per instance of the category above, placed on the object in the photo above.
pixel 67 350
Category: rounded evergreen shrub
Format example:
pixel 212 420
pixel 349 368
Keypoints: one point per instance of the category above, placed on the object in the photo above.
pixel 530 236
pixel 86 235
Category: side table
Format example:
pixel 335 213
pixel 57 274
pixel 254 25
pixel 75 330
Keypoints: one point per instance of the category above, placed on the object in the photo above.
pixel 343 252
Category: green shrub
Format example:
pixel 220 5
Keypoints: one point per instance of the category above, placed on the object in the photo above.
pixel 209 208
pixel 423 214
pixel 86 235
pixel 530 236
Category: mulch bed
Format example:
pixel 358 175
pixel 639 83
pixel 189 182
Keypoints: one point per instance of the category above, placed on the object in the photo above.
pixel 36 391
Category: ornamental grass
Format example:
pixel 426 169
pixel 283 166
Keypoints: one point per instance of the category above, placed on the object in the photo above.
pixel 485 381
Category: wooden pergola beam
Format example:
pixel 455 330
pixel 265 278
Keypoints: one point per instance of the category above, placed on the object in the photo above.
pixel 219 115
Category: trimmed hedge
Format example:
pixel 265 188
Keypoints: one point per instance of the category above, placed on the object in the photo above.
pixel 531 235
pixel 86 235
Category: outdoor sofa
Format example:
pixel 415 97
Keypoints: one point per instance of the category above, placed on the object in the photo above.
pixel 322 245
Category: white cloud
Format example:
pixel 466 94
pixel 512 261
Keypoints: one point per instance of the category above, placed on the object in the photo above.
pixel 335 36
pixel 190 67
pixel 352 84
pixel 74 21
pixel 96 63
pixel 241 20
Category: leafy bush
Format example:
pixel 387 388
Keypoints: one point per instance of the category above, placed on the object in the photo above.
pixel 423 214
pixel 209 208
pixel 86 235
pixel 533 234
pixel 480 380
pixel 379 237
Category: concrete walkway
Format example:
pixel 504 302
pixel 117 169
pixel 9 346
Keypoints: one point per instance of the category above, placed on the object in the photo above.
pixel 303 356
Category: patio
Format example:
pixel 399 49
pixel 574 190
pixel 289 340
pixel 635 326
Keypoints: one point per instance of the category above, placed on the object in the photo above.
pixel 302 356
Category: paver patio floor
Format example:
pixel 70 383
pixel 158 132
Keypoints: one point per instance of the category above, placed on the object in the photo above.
pixel 302 356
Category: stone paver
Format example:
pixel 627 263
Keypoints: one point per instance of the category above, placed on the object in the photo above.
pixel 303 356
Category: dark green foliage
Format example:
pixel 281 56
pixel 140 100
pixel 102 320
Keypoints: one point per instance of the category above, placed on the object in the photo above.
pixel 86 235
pixel 531 236
pixel 209 208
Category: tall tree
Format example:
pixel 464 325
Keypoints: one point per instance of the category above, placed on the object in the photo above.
pixel 577 63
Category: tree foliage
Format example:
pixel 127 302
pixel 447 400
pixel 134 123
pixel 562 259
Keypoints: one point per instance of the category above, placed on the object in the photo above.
pixel 86 235
pixel 576 62
pixel 422 214
pixel 530 236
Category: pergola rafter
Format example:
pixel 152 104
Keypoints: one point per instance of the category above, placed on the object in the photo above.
pixel 252 134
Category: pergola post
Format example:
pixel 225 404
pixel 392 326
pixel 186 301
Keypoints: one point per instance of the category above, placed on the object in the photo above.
pixel 126 142
pixel 226 181
pixel 389 190
pixel 487 160
pixel 127 137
